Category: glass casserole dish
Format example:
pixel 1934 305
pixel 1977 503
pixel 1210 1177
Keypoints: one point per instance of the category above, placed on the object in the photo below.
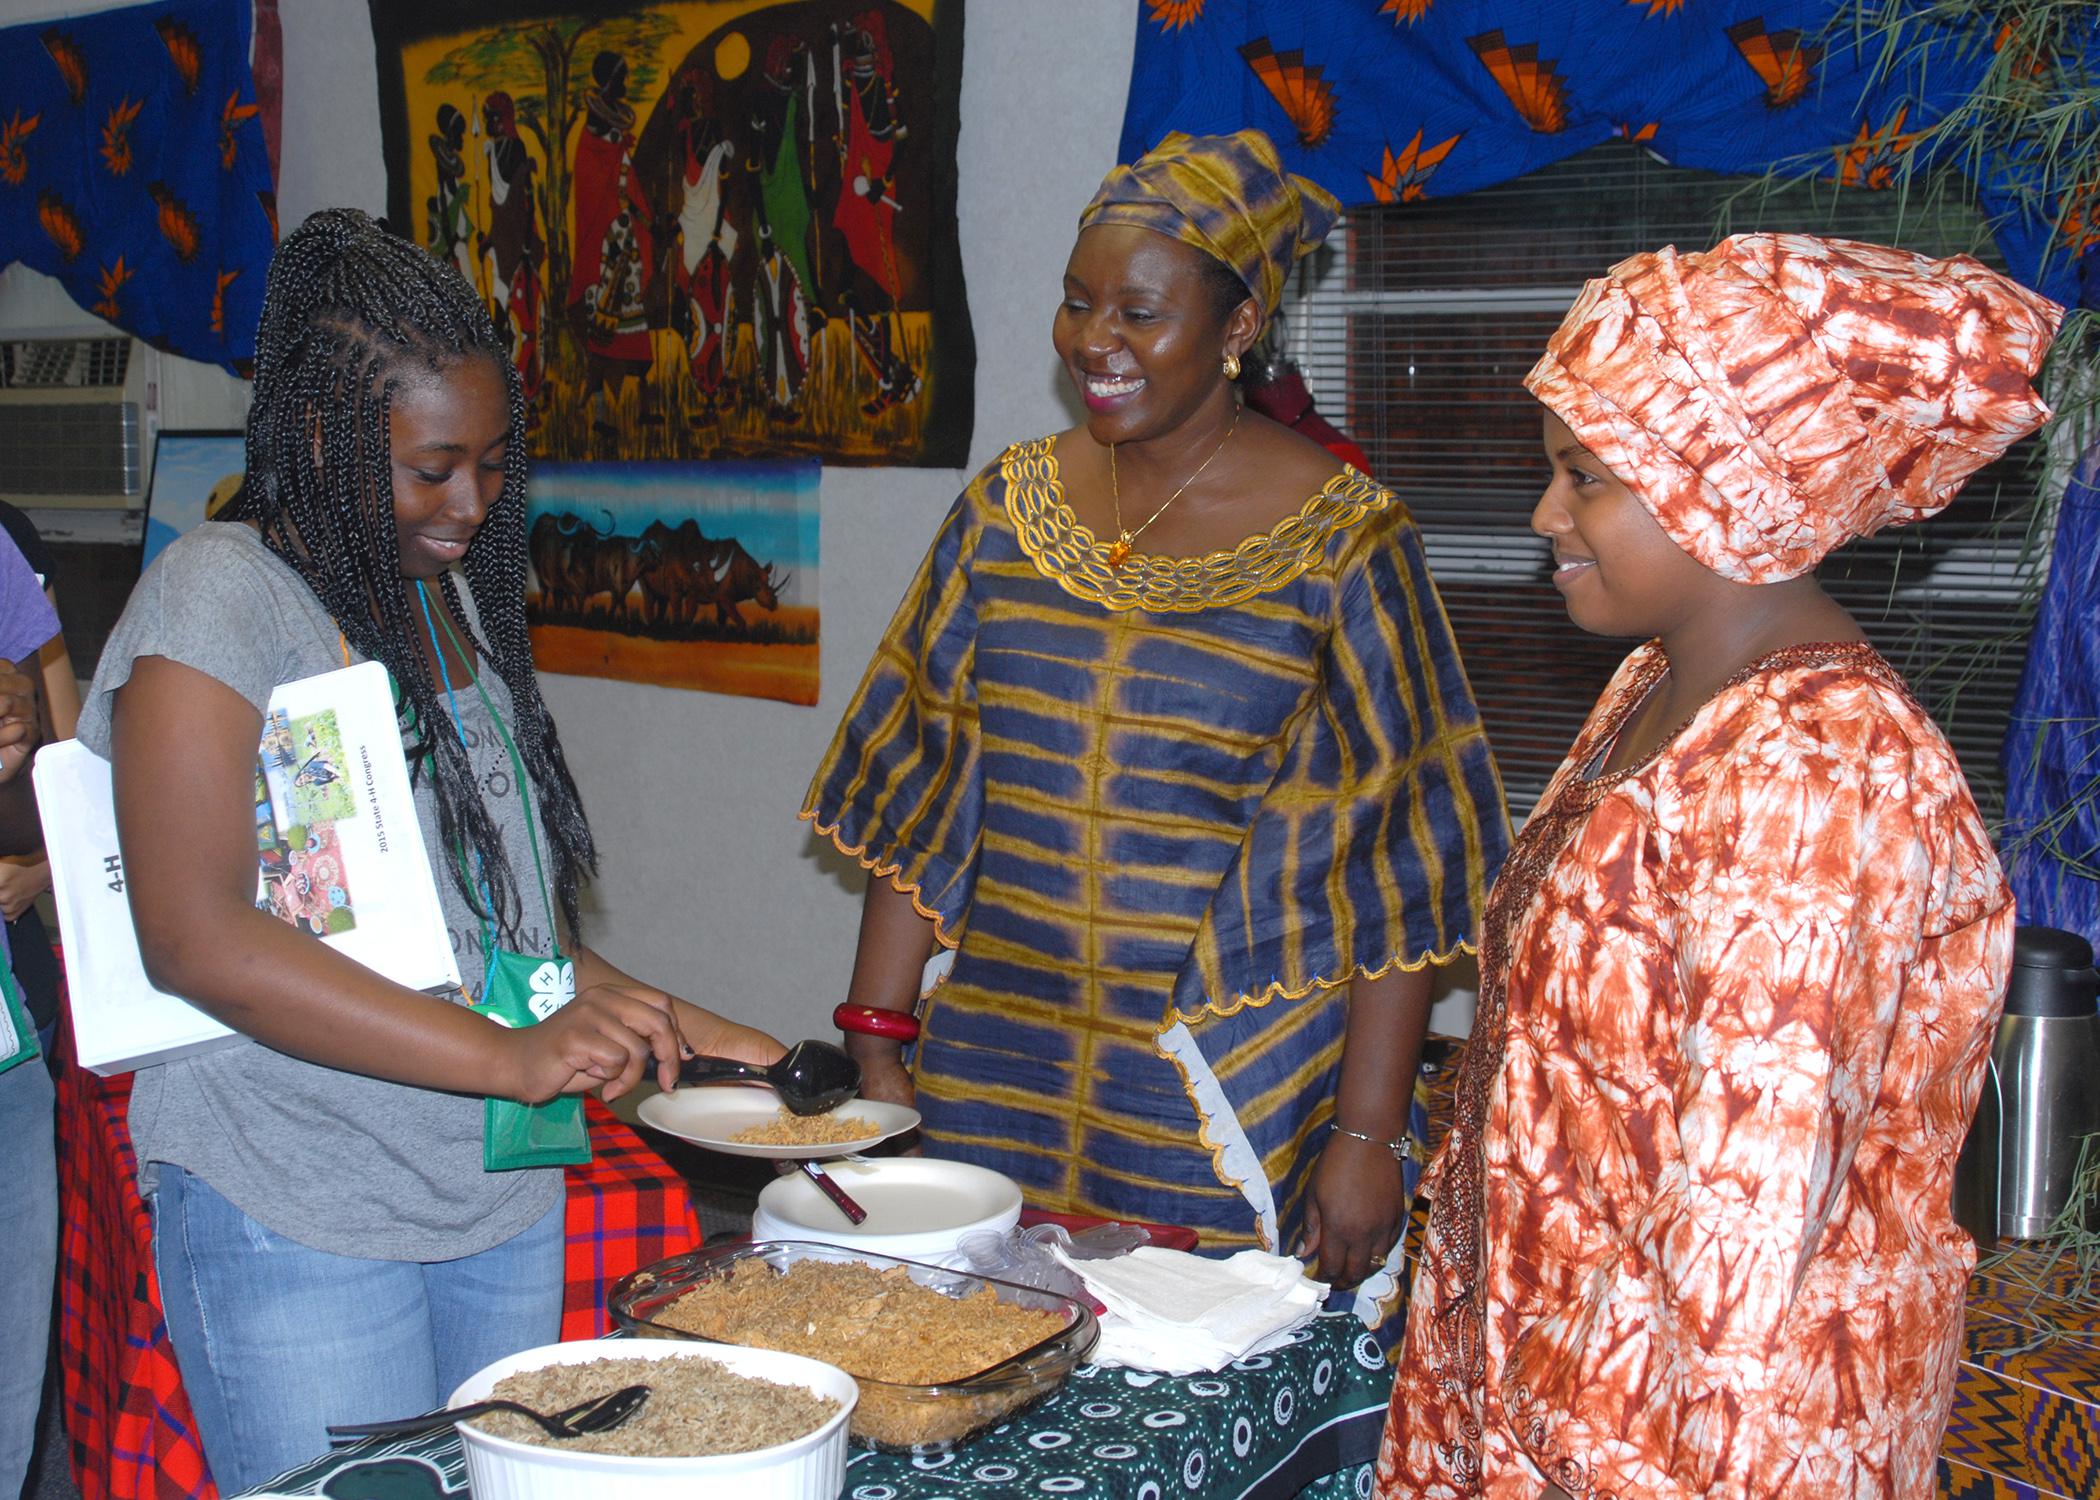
pixel 893 1416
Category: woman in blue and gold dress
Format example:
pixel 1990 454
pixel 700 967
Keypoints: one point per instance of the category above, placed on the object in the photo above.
pixel 1169 741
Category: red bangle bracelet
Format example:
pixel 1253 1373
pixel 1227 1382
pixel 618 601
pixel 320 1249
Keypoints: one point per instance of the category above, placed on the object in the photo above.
pixel 873 1020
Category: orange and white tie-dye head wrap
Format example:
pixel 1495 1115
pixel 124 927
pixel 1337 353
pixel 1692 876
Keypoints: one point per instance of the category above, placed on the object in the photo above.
pixel 1777 396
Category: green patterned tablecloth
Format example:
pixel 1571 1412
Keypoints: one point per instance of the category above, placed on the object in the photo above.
pixel 1303 1420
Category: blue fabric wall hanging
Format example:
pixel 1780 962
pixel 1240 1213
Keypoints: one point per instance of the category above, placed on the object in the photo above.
pixel 1392 100
pixel 132 169
pixel 2052 744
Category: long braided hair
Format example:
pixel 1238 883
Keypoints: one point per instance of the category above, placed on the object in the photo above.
pixel 349 311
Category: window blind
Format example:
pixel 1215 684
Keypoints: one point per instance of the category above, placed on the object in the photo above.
pixel 1414 333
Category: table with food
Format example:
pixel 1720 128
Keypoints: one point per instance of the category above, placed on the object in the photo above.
pixel 885 1365
pixel 896 1327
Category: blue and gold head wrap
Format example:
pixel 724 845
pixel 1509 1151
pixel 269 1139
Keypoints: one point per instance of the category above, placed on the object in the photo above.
pixel 1229 196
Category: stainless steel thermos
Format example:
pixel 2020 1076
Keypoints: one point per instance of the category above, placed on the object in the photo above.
pixel 2041 1096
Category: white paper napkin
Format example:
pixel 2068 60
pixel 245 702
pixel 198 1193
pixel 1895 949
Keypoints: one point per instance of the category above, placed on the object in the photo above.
pixel 1182 1314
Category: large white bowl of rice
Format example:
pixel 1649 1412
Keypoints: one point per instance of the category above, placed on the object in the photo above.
pixel 764 1425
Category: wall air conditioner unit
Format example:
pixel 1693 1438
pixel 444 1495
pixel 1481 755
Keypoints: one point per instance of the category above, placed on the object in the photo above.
pixel 75 439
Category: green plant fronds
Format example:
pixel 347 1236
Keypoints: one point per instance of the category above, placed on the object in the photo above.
pixel 2020 148
pixel 2027 130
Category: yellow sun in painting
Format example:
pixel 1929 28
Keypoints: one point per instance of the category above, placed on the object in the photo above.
pixel 732 55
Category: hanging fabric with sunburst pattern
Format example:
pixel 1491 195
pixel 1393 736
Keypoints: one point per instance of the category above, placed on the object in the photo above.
pixel 1392 100
pixel 133 169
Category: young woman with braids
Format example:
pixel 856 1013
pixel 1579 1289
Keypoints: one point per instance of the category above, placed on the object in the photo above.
pixel 329 1243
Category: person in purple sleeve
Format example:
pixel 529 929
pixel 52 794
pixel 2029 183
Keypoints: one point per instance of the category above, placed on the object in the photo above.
pixel 26 875
pixel 28 1166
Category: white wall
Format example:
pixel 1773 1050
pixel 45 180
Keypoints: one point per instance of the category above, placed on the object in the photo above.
pixel 710 886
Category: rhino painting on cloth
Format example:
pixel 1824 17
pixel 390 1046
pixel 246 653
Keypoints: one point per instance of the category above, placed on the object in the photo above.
pixel 687 575
pixel 708 228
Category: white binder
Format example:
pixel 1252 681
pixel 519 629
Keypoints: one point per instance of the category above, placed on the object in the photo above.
pixel 339 853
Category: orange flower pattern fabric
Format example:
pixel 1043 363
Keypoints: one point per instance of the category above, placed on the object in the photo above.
pixel 1690 1232
pixel 1779 395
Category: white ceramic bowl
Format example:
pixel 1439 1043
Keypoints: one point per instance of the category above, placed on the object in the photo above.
pixel 811 1467
pixel 919 1208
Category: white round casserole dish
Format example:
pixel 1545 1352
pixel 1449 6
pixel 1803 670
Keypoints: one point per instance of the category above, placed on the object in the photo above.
pixel 810 1467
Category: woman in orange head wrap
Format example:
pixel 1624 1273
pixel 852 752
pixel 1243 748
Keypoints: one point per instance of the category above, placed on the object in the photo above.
pixel 1690 1233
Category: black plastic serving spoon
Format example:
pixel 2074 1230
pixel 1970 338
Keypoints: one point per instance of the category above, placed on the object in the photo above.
pixel 810 1077
pixel 599 1414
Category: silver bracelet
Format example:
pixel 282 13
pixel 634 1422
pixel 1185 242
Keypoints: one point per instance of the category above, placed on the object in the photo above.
pixel 1403 1149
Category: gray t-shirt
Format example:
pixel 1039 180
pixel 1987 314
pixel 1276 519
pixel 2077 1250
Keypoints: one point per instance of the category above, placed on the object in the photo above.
pixel 334 1160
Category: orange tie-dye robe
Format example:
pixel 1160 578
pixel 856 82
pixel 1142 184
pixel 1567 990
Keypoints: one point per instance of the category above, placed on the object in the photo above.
pixel 1690 1233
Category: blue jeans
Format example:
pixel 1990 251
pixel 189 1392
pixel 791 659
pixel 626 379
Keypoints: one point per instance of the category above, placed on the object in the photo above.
pixel 276 1340
pixel 28 1259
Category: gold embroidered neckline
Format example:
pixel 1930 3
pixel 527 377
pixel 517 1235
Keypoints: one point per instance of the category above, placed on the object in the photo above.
pixel 1067 552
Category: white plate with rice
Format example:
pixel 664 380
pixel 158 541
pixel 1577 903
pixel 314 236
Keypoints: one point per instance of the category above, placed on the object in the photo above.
pixel 715 1115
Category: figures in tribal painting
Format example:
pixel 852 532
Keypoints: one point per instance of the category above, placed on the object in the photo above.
pixel 778 270
pixel 614 253
pixel 732 221
pixel 449 210
pixel 866 212
pixel 707 240
pixel 512 252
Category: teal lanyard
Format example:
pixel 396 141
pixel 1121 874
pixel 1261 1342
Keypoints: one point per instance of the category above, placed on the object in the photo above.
pixel 518 779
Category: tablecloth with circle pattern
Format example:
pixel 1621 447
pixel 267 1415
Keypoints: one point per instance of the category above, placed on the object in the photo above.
pixel 1302 1421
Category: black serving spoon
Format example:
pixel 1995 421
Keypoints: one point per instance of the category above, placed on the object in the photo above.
pixel 599 1414
pixel 810 1077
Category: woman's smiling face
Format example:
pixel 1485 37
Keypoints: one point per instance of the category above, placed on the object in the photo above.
pixel 1139 331
pixel 1616 568
pixel 449 430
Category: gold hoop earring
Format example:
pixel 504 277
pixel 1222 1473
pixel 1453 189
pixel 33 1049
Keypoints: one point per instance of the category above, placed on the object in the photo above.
pixel 1231 367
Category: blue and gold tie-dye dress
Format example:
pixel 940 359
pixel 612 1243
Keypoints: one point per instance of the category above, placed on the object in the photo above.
pixel 1160 812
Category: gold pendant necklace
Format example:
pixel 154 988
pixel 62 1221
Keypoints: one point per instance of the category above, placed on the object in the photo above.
pixel 1119 549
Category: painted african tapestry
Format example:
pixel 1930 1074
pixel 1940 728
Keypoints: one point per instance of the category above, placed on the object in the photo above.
pixel 710 228
pixel 1393 100
pixel 686 575
pixel 133 170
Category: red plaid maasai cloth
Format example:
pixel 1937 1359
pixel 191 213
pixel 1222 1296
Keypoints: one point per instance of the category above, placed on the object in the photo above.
pixel 626 1209
pixel 127 1418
